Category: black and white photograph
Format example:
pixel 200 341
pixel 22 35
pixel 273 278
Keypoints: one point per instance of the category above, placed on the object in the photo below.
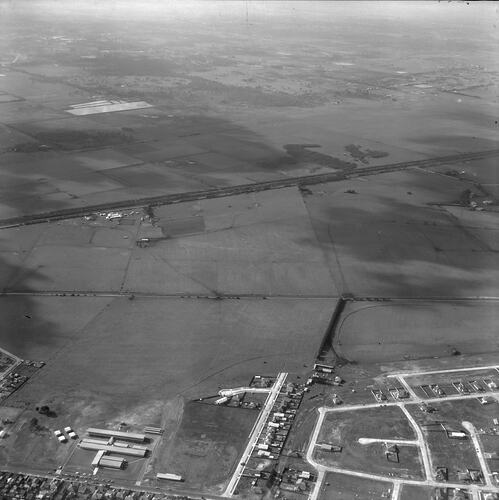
pixel 249 250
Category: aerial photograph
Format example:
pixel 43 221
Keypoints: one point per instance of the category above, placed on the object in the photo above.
pixel 249 249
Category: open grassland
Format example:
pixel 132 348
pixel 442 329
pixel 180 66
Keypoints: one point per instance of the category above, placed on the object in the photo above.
pixel 387 235
pixel 255 244
pixel 207 445
pixel 456 455
pixel 445 380
pixel 134 361
pixel 389 331
pixel 346 428
pixel 223 112
pixel 343 487
pixel 412 492
pixel 453 413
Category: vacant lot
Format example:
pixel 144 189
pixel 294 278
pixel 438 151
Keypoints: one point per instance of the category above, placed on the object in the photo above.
pixel 346 428
pixel 412 492
pixel 456 455
pixel 446 379
pixel 343 487
pixel 398 330
pixel 207 446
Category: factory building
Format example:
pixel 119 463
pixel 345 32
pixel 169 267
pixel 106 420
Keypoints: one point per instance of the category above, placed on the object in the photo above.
pixel 134 452
pixel 97 458
pixel 112 462
pixel 126 436
pixel 169 476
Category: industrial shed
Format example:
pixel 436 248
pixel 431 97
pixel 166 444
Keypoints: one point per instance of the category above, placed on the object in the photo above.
pixel 126 436
pixel 112 462
pixel 134 452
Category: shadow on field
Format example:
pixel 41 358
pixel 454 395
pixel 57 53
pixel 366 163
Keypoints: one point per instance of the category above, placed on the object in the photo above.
pixel 395 249
pixel 24 327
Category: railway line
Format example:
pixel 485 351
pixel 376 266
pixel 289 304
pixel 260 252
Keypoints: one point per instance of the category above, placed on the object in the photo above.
pixel 242 189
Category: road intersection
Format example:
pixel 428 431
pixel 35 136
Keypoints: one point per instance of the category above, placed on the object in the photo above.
pixel 474 489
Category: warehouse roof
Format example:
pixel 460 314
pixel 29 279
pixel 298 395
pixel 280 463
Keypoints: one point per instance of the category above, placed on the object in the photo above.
pixel 113 449
pixel 128 436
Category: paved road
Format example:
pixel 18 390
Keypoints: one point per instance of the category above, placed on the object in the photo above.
pixel 421 443
pixel 479 451
pixel 255 433
pixel 396 490
pixel 314 495
pixel 241 189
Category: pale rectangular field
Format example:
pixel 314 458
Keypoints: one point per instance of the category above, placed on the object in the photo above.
pixel 105 107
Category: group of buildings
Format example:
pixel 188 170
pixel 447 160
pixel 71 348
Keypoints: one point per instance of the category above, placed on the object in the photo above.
pixel 114 448
pixel 271 440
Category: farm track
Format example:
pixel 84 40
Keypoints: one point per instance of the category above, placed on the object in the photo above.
pixel 221 192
